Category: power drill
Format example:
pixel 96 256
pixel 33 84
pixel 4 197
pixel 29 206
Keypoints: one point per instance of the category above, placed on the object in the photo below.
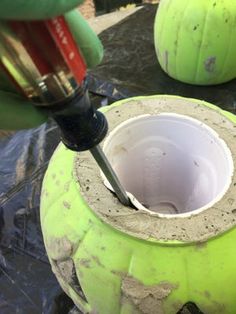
pixel 44 63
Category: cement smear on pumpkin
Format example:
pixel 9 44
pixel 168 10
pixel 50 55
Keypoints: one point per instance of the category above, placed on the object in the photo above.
pixel 146 299
pixel 199 226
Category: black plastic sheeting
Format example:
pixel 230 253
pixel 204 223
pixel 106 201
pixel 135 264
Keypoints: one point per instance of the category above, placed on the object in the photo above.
pixel 27 284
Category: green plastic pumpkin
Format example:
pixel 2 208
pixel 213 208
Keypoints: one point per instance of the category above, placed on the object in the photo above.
pixel 195 40
pixel 106 270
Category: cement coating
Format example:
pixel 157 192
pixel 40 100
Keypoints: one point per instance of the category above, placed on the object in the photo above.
pixel 145 299
pixel 149 225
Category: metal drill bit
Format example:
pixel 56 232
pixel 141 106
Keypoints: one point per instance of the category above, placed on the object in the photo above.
pixel 109 173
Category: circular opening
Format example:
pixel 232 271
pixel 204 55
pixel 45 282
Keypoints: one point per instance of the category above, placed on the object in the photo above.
pixel 172 164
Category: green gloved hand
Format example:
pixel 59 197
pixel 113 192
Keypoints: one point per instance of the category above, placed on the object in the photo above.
pixel 15 111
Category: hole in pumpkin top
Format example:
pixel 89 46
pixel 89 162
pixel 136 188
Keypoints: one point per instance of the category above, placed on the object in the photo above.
pixel 172 163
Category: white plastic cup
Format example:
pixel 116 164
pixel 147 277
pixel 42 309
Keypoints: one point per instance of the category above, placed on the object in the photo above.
pixel 172 164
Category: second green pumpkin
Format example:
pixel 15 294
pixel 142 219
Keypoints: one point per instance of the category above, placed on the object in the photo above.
pixel 196 40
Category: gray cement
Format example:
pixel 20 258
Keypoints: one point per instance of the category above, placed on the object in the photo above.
pixel 149 225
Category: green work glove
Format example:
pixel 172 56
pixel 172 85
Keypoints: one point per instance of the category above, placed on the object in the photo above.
pixel 15 111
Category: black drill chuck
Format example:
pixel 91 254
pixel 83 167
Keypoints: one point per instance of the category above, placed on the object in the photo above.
pixel 82 127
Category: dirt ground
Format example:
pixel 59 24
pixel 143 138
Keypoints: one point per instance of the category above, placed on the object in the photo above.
pixel 102 22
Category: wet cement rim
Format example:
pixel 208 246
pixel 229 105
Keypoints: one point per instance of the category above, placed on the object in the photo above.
pixel 144 225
